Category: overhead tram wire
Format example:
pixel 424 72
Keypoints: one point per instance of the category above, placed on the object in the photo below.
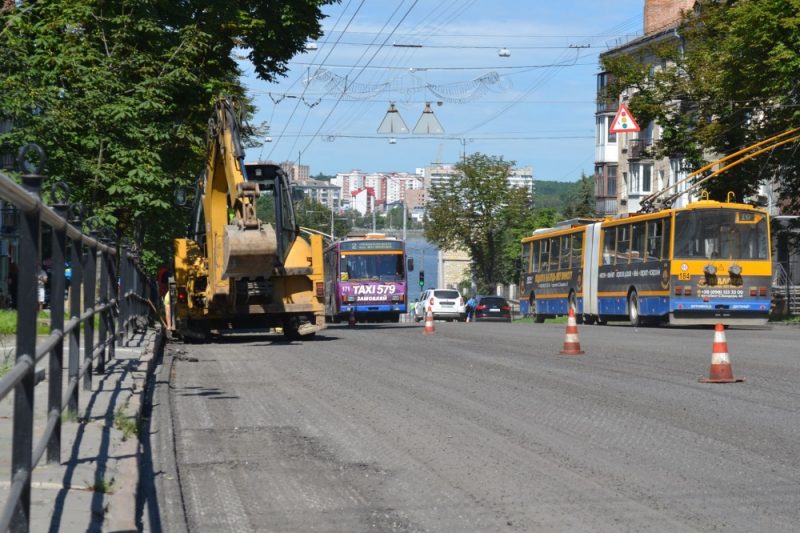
pixel 536 85
pixel 434 20
pixel 289 120
pixel 364 53
pixel 300 77
pixel 360 72
pixel 395 55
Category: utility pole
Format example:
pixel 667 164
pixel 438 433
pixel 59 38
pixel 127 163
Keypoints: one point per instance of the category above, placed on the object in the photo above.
pixel 373 213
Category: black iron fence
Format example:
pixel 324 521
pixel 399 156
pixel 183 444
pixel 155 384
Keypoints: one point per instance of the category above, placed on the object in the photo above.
pixel 119 305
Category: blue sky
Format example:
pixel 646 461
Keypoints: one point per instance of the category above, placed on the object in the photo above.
pixel 535 107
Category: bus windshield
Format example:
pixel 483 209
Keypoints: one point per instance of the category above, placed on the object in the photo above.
pixel 721 234
pixel 387 267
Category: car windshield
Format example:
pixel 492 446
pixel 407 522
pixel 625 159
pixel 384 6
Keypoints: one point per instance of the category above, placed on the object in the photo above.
pixel 446 294
pixel 492 302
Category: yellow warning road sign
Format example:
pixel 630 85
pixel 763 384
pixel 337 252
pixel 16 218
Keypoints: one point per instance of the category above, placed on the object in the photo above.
pixel 623 121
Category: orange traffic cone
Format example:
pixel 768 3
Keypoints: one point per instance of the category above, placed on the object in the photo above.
pixel 351 320
pixel 429 329
pixel 572 346
pixel 720 371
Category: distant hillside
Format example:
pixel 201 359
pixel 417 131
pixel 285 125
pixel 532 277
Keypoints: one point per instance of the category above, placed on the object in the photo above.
pixel 553 193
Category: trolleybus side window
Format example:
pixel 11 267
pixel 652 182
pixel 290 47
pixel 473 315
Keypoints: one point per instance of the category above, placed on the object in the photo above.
pixel 623 243
pixel 577 249
pixel 655 239
pixel 637 244
pixel 544 259
pixel 566 251
pixel 535 257
pixel 525 257
pixel 609 245
pixel 554 247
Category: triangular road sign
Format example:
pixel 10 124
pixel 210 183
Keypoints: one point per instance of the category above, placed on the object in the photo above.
pixel 623 121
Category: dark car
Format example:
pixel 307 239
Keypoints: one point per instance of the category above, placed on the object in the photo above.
pixel 494 308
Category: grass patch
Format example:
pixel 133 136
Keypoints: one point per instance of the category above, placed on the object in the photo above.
pixel 8 322
pixel 102 486
pixel 126 424
pixel 5 362
pixel 69 415
pixel 785 319
pixel 529 320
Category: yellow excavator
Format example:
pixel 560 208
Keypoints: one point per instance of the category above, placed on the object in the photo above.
pixel 233 270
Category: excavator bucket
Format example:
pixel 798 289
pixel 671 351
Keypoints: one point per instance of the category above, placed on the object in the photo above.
pixel 249 253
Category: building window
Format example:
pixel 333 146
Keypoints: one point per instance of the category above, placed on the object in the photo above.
pixel 612 137
pixel 647 178
pixel 611 181
pixel 635 175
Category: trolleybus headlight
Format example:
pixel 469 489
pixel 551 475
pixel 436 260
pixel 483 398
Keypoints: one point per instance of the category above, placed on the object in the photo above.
pixel 710 269
pixel 735 270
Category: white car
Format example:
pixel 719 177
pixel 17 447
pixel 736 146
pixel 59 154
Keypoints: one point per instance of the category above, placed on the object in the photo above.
pixel 446 304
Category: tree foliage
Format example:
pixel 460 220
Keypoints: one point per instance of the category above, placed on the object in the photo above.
pixel 478 211
pixel 580 199
pixel 118 92
pixel 728 81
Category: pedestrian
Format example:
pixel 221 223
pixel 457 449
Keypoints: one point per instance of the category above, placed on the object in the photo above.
pixel 168 311
pixel 471 303
pixel 41 281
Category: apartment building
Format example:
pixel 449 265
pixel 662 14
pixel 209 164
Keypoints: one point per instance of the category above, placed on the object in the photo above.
pixel 626 170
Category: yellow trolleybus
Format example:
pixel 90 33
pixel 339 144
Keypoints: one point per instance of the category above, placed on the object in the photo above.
pixel 705 263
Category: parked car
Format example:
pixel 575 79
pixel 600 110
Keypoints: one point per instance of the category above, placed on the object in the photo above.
pixel 492 308
pixel 446 304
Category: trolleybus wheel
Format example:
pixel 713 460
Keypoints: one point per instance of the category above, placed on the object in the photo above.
pixel 633 309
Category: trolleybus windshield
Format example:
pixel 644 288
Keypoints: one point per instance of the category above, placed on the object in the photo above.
pixel 372 267
pixel 721 234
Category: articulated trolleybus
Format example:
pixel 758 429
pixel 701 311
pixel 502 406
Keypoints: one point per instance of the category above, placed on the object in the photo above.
pixel 706 263
pixel 366 275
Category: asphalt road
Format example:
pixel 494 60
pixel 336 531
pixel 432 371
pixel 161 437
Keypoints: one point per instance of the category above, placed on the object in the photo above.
pixel 485 427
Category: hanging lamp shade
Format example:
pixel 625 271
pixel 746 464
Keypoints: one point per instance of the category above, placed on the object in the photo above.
pixel 392 122
pixel 428 124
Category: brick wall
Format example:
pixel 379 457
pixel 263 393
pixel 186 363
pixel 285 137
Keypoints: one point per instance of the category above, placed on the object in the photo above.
pixel 660 14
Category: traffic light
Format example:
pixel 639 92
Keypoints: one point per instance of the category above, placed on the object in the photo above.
pixel 421 278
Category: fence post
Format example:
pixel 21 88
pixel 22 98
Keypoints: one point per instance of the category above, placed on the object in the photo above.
pixel 56 368
pixel 27 314
pixel 76 260
pixel 124 267
pixel 89 272
pixel 102 334
pixel 114 295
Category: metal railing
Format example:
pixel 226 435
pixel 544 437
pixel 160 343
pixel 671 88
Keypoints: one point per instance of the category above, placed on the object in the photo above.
pixel 786 288
pixel 124 297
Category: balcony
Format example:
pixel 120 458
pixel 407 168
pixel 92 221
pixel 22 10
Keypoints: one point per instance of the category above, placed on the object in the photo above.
pixel 638 148
pixel 605 207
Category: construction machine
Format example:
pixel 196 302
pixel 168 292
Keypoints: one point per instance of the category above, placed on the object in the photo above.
pixel 234 270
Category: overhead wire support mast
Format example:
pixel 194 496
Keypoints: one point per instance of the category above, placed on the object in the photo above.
pixel 652 203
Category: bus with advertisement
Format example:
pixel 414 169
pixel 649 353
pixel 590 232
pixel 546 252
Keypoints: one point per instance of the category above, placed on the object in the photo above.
pixel 706 263
pixel 366 276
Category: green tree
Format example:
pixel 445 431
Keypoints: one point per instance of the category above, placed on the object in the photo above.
pixel 728 81
pixel 314 215
pixel 579 201
pixel 119 92
pixel 477 210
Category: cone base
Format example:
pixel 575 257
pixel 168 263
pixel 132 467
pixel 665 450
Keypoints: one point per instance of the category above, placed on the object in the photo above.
pixel 571 352
pixel 720 380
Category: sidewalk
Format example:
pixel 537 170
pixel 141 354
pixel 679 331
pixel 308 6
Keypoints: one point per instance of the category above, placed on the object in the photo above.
pixel 94 487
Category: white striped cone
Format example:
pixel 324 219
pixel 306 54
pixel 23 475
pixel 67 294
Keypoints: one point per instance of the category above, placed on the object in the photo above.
pixel 572 346
pixel 429 329
pixel 721 370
